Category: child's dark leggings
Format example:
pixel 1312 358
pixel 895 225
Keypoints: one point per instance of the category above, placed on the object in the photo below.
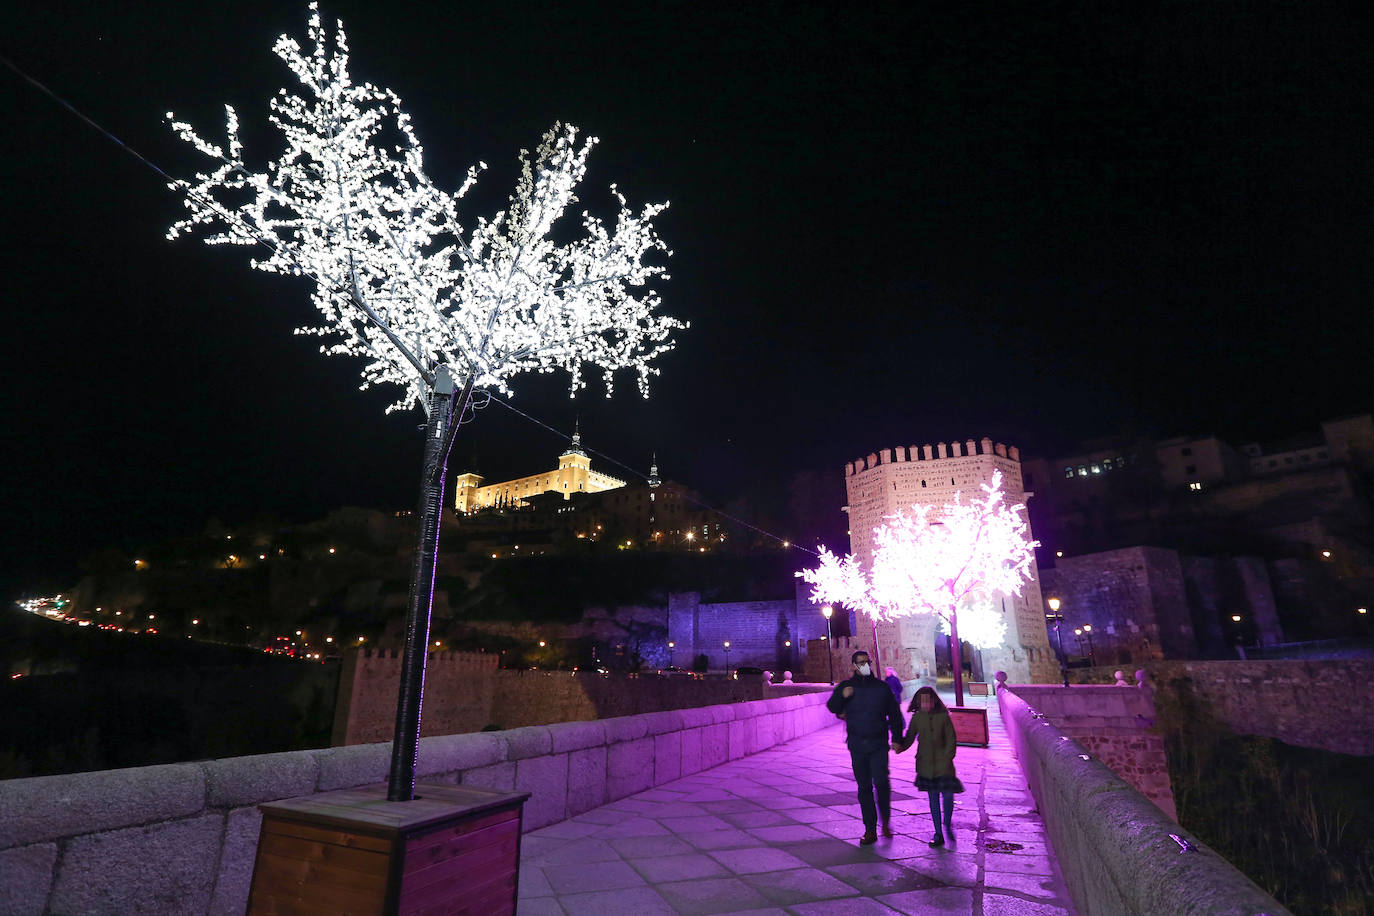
pixel 935 809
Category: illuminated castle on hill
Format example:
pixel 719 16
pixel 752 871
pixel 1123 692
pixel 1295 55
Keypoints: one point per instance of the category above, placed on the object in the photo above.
pixel 573 475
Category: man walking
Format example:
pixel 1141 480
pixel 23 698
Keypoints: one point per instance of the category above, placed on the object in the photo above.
pixel 873 723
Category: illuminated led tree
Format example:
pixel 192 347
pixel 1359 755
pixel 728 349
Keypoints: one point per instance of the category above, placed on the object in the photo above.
pixel 950 562
pixel 431 306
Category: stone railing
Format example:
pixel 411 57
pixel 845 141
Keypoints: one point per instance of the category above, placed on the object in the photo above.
pixel 181 838
pixel 1116 849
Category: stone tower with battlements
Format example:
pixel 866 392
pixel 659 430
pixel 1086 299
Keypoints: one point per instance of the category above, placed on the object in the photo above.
pixel 896 478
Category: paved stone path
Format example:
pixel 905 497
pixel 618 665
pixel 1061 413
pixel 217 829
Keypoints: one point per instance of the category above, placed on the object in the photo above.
pixel 777 833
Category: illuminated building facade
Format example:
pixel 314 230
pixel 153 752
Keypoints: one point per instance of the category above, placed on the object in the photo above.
pixel 573 475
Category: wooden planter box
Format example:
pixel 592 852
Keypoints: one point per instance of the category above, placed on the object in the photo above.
pixel 451 850
pixel 970 725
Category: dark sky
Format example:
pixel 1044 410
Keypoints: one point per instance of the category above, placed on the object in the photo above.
pixel 890 226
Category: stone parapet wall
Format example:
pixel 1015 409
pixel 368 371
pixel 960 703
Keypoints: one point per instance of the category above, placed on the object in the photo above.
pixel 181 838
pixel 1326 704
pixel 1112 844
pixel 1114 724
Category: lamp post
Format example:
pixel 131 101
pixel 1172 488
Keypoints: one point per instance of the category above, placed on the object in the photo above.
pixel 1078 635
pixel 1088 632
pixel 829 649
pixel 727 658
pixel 1058 618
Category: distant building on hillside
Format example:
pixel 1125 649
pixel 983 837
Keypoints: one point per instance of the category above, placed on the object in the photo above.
pixel 1201 493
pixel 545 513
pixel 573 475
pixel 1190 546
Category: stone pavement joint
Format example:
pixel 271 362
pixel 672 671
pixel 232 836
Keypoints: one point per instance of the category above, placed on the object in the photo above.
pixel 777 833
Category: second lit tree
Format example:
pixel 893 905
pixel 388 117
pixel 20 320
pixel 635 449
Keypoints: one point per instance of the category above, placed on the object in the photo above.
pixel 950 561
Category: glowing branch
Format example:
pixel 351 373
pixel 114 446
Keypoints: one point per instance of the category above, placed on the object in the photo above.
pixel 398 279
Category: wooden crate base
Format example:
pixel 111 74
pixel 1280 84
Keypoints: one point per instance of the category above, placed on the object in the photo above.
pixel 452 850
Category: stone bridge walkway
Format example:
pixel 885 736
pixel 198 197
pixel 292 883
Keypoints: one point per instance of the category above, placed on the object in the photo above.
pixel 777 833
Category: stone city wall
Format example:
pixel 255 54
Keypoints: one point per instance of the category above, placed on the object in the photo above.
pixel 1134 598
pixel 1114 724
pixel 1326 704
pixel 756 631
pixel 470 700
pixel 181 838
pixel 458 689
pixel 1113 845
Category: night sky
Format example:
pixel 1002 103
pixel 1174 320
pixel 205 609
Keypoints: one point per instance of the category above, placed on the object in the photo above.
pixel 890 227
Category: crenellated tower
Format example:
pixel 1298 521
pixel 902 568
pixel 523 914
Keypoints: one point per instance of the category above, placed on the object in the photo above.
pixel 896 478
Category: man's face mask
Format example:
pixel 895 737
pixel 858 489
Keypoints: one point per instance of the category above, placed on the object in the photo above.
pixel 865 669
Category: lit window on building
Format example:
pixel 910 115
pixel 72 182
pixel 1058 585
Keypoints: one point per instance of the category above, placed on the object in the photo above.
pixel 1068 472
pixel 1195 486
pixel 1082 470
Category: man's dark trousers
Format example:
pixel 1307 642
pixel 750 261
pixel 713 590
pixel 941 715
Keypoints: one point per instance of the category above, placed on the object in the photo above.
pixel 870 772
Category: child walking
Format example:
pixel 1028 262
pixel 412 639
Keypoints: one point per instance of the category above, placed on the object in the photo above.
pixel 933 731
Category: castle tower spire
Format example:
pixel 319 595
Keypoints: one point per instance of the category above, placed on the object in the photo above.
pixel 654 480
pixel 575 447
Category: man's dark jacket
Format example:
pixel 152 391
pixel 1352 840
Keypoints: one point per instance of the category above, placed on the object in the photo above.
pixel 872 718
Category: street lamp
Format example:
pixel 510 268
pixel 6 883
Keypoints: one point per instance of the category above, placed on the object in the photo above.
pixel 727 658
pixel 1078 635
pixel 829 648
pixel 1058 618
pixel 1088 632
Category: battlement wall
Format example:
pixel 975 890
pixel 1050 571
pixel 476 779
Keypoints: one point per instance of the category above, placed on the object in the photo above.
pixel 937 452
pixel 455 692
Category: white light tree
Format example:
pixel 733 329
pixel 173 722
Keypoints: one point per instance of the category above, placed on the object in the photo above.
pixel 424 300
pixel 951 562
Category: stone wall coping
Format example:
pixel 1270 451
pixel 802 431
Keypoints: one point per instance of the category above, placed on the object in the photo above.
pixel 1127 861
pixel 238 781
pixel 697 717
pixel 575 736
pixel 660 723
pixel 466 751
pixel 41 808
pixel 625 728
pixel 354 765
pixel 530 741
